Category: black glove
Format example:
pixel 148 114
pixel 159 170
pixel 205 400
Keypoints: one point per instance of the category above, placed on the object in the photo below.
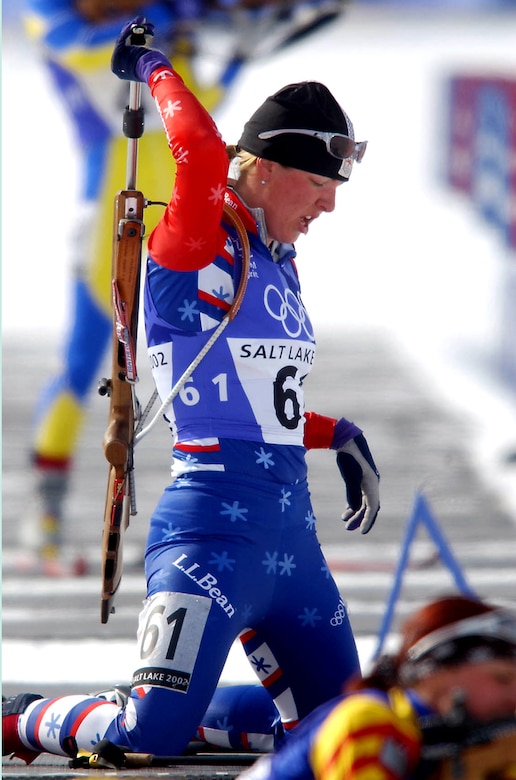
pixel 131 47
pixel 362 479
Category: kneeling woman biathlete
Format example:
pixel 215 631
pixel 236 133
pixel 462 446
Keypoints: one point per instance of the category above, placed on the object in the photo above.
pixel 232 548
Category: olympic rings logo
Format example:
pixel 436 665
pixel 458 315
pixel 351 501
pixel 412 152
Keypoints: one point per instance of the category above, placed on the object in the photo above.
pixel 339 615
pixel 288 310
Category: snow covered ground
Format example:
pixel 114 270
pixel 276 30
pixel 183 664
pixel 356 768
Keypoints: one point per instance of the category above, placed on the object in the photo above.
pixel 404 253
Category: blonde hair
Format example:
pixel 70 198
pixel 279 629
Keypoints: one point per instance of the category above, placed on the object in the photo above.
pixel 239 157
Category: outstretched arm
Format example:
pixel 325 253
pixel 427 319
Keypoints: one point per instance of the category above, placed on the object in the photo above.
pixel 189 235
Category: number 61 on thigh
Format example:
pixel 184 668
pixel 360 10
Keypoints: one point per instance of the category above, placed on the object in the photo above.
pixel 170 630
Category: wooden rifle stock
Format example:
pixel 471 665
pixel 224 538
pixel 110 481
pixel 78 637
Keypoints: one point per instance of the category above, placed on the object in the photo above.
pixel 118 439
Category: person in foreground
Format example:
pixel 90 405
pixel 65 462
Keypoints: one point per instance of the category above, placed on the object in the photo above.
pixel 456 666
pixel 232 549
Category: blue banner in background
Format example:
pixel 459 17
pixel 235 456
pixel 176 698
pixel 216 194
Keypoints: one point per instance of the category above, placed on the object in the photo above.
pixel 481 166
pixel 482 146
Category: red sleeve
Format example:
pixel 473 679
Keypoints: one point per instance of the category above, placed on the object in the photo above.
pixel 318 434
pixel 189 234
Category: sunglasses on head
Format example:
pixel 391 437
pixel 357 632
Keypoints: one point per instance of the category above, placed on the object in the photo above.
pixel 341 146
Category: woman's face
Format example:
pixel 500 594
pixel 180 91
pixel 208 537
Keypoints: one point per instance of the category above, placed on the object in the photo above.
pixel 293 199
pixel 489 688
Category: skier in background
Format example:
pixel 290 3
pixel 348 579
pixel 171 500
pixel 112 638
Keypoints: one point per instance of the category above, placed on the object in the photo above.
pixel 75 40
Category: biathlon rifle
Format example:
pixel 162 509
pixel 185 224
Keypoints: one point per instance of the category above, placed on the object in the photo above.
pixel 128 230
pixel 468 750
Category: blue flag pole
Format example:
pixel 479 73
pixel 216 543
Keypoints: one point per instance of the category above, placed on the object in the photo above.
pixel 421 513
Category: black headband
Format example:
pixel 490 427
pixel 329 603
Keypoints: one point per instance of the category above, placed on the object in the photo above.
pixel 308 105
